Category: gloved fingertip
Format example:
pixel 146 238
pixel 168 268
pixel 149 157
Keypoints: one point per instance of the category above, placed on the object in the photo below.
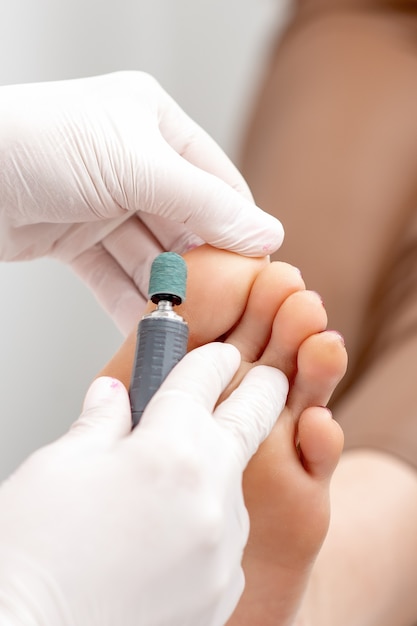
pixel 192 243
pixel 250 231
pixel 106 414
pixel 103 390
pixel 266 237
pixel 275 385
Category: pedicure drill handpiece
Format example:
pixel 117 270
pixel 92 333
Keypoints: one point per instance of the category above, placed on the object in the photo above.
pixel 162 335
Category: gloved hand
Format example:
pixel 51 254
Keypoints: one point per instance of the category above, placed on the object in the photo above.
pixel 107 172
pixel 108 527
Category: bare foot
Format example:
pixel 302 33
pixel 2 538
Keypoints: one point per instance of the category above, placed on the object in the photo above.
pixel 286 488
pixel 286 484
pixel 265 310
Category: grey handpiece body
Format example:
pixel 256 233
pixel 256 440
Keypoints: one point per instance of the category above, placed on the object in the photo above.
pixel 161 344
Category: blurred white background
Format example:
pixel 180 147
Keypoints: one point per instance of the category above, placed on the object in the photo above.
pixel 208 54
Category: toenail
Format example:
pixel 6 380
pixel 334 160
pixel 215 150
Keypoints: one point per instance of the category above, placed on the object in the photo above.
pixel 339 336
pixel 319 297
pixel 327 409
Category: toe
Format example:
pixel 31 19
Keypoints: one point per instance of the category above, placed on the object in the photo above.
pixel 301 315
pixel 321 364
pixel 320 442
pixel 272 287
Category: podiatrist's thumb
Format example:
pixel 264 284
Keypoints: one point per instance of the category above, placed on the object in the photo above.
pixel 106 414
pixel 250 412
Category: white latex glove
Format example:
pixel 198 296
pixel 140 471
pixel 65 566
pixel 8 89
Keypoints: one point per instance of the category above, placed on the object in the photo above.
pixel 107 172
pixel 108 527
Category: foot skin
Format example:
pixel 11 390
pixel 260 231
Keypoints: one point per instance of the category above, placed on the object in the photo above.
pixel 286 488
pixel 286 484
pixel 266 312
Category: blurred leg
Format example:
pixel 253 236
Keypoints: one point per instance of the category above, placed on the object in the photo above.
pixel 332 151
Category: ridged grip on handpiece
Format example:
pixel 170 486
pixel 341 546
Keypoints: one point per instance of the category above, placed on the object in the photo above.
pixel 161 344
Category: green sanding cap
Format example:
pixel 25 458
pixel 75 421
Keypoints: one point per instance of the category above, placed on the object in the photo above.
pixel 168 278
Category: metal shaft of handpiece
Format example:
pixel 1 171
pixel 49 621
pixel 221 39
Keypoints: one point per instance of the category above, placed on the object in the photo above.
pixel 161 343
